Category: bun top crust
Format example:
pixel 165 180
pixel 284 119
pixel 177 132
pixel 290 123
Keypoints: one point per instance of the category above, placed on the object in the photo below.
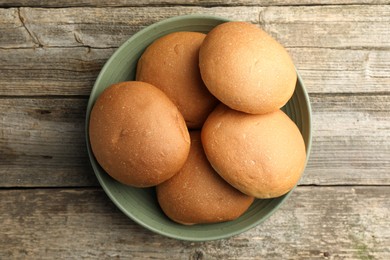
pixel 137 134
pixel 171 64
pixel 260 155
pixel 197 194
pixel 246 69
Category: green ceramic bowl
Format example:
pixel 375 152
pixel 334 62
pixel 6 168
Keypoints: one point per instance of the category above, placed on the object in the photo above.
pixel 141 204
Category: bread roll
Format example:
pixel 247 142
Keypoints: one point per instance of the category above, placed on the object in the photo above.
pixel 137 134
pixel 171 64
pixel 261 155
pixel 246 69
pixel 197 194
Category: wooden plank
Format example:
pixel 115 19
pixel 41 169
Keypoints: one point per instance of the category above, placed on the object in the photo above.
pixel 42 142
pixel 329 26
pixel 110 27
pixel 13 33
pixel 122 3
pixel 351 140
pixel 343 71
pixel 314 223
pixel 349 26
pixel 50 71
pixel 72 71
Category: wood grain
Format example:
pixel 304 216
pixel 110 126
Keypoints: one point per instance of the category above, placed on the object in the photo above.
pixel 343 71
pixel 350 26
pixel 110 27
pixel 51 205
pixel 351 140
pixel 13 33
pixel 73 71
pixel 42 141
pixel 50 71
pixel 122 3
pixel 314 223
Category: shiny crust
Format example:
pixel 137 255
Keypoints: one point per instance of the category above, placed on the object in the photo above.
pixel 197 194
pixel 171 64
pixel 246 69
pixel 261 155
pixel 137 134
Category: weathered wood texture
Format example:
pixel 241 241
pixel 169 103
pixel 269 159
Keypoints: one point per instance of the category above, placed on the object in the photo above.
pixel 12 31
pixel 72 71
pixel 121 3
pixel 350 26
pixel 343 71
pixel 315 223
pixel 42 141
pixel 321 40
pixel 50 71
pixel 329 26
pixel 98 27
pixel 351 140
pixel 49 60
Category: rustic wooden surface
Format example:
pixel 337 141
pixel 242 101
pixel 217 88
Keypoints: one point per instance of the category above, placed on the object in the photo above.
pixel 315 223
pixel 51 205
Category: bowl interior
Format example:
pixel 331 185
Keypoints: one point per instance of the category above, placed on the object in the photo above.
pixel 141 204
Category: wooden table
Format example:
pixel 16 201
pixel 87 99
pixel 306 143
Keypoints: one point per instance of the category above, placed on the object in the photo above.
pixel 51 205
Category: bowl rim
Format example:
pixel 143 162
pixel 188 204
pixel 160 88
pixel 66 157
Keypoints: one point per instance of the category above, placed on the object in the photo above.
pixel 108 191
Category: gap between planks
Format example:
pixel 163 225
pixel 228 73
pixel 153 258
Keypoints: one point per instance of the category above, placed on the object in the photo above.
pixel 189 4
pixel 316 94
pixel 352 48
pixel 98 187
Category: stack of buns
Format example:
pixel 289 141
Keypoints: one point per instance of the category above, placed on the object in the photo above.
pixel 202 123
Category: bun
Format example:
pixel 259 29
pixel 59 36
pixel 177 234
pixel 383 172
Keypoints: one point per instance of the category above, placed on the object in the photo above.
pixel 197 194
pixel 246 69
pixel 137 134
pixel 260 155
pixel 171 64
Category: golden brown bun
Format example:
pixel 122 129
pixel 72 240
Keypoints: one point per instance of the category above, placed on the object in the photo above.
pixel 171 64
pixel 137 134
pixel 261 155
pixel 246 69
pixel 197 194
